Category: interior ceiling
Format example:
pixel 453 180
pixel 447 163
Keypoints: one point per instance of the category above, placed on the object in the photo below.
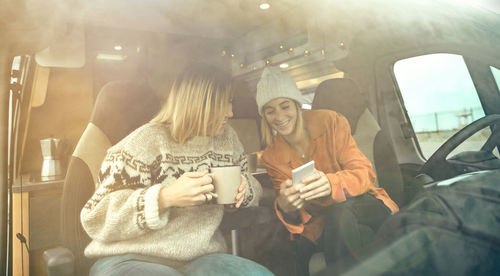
pixel 225 19
pixel 239 22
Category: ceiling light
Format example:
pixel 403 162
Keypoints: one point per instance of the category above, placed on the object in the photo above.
pixel 111 57
pixel 284 65
pixel 118 47
pixel 264 6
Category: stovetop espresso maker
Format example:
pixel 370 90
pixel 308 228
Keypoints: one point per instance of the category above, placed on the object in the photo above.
pixel 52 167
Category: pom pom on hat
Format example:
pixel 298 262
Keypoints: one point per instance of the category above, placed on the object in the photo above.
pixel 276 84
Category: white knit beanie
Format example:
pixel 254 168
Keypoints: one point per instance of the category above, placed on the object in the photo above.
pixel 276 84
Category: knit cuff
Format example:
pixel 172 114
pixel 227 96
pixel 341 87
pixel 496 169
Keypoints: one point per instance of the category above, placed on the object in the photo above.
pixel 252 194
pixel 154 220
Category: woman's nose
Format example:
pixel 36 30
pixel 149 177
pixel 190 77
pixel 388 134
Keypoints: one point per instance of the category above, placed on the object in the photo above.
pixel 279 115
pixel 229 112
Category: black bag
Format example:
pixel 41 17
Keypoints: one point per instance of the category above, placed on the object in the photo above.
pixel 451 228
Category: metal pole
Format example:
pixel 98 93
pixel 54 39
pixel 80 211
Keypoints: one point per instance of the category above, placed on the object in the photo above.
pixel 234 242
pixel 5 231
pixel 436 120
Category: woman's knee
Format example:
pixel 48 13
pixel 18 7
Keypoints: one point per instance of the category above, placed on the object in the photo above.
pixel 132 268
pixel 340 213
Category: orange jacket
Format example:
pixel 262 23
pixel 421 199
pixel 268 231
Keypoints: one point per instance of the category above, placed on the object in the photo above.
pixel 335 153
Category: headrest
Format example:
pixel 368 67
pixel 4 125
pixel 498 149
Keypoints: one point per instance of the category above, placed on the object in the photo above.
pixel 244 104
pixel 245 108
pixel 343 96
pixel 123 106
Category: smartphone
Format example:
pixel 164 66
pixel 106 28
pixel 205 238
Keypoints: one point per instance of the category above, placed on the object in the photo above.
pixel 302 172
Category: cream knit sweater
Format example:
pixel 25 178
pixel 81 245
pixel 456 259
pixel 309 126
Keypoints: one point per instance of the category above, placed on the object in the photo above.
pixel 123 217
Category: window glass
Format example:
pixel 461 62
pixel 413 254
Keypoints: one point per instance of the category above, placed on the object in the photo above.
pixel 440 99
pixel 496 75
pixel 308 99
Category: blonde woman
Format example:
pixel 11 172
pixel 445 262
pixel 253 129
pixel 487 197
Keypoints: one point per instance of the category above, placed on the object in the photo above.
pixel 152 212
pixel 329 210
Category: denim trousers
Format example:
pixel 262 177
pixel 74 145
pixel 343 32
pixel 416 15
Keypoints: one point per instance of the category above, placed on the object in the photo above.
pixel 212 264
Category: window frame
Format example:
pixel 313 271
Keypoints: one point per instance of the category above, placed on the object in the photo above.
pixel 411 119
pixel 392 118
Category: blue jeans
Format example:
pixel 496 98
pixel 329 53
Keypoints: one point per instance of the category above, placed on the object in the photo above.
pixel 212 264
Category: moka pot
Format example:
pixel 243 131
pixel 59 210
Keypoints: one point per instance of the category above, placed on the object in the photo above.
pixel 51 152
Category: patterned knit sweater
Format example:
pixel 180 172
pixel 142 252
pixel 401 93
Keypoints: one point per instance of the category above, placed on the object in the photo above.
pixel 123 217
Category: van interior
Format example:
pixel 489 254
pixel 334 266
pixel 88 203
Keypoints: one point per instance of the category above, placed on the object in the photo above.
pixel 418 82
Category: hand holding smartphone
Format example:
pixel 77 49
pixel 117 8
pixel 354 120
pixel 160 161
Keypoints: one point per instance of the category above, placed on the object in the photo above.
pixel 302 172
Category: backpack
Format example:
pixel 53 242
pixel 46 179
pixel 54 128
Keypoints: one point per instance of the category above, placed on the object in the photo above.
pixel 451 228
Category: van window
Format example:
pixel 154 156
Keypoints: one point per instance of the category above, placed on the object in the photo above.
pixel 308 99
pixel 440 99
pixel 496 75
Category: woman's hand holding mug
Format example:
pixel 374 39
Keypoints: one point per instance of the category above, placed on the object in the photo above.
pixel 240 195
pixel 192 188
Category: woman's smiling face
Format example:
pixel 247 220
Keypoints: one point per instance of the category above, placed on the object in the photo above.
pixel 281 114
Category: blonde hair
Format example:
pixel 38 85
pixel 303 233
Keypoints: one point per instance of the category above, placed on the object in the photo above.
pixel 197 103
pixel 267 131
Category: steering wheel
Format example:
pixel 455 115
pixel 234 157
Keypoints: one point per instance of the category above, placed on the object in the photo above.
pixel 438 167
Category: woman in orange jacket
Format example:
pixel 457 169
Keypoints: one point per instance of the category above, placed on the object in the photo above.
pixel 329 210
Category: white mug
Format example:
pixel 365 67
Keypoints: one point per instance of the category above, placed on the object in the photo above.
pixel 226 181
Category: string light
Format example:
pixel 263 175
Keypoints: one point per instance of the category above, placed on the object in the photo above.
pixel 264 6
pixel 342 46
pixel 291 50
pixel 223 53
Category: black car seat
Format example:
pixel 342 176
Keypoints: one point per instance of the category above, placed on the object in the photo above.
pixel 342 95
pixel 120 107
